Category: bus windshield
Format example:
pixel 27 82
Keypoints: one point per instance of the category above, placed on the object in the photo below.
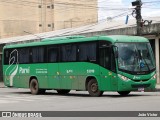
pixel 135 58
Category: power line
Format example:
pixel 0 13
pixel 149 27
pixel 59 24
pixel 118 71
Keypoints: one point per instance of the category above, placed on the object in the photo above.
pixel 79 10
pixel 152 2
pixel 34 4
pixel 18 3
pixel 151 8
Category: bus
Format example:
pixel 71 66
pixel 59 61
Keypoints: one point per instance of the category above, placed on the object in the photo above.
pixel 95 64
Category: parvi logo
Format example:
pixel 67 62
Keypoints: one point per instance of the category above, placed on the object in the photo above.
pixel 24 70
pixel 136 77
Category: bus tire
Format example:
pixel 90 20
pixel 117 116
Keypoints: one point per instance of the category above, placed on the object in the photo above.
pixel 92 88
pixel 123 93
pixel 62 92
pixel 34 87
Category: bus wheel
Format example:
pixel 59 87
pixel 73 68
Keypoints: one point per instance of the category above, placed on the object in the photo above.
pixel 34 87
pixel 63 91
pixel 92 88
pixel 123 93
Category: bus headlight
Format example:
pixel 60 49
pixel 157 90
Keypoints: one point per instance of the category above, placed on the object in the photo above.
pixel 154 76
pixel 123 77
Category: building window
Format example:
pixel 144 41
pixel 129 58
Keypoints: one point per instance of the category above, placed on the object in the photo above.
pixel 52 6
pixel 39 6
pixel 52 25
pixel 48 6
pixel 40 25
pixel 49 25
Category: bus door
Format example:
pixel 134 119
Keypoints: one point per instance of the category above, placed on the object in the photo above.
pixel 108 67
pixel 53 67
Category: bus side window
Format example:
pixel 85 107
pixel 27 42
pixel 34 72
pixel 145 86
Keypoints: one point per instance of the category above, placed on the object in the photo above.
pixel 10 56
pixel 68 53
pixel 37 54
pixel 23 55
pixel 113 63
pixel 6 57
pixel 87 52
pixel 82 52
pixel 53 54
pixel 106 56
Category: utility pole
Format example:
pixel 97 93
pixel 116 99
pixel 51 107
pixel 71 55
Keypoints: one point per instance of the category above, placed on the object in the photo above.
pixel 138 16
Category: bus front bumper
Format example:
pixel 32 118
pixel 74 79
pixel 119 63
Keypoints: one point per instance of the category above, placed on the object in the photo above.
pixel 137 86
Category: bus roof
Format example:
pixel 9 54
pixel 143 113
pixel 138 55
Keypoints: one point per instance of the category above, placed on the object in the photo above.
pixel 73 39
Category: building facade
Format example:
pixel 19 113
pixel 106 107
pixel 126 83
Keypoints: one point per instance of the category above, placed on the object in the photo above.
pixel 35 16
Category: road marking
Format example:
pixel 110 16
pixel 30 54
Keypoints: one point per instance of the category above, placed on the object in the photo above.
pixel 15 98
pixel 7 101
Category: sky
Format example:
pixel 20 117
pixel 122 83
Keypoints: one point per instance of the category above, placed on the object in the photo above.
pixel 119 9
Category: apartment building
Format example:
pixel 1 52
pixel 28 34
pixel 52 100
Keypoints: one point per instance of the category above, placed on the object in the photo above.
pixel 21 17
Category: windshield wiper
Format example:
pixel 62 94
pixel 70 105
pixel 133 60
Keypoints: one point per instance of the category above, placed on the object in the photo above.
pixel 141 58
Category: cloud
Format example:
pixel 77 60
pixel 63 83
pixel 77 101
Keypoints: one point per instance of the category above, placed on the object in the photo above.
pixel 150 12
pixel 111 8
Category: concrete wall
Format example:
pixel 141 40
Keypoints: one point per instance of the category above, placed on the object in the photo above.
pixel 157 57
pixel 148 31
pixel 74 13
pixel 46 15
pixel 36 16
pixel 17 17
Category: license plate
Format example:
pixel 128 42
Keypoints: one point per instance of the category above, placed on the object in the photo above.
pixel 140 89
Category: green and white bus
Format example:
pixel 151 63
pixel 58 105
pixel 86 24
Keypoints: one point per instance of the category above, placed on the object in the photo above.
pixel 94 64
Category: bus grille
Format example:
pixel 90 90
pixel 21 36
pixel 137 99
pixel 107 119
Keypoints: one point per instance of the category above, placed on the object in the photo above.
pixel 141 86
pixel 140 80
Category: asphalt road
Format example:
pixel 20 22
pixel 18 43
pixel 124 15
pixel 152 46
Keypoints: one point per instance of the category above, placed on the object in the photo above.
pixel 13 99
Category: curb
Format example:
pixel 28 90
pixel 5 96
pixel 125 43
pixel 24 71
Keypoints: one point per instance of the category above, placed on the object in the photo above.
pixel 157 90
pixel 2 85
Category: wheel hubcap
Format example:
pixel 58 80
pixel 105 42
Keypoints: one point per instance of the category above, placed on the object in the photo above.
pixel 34 86
pixel 94 87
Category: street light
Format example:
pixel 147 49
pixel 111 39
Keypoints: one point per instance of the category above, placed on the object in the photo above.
pixel 136 3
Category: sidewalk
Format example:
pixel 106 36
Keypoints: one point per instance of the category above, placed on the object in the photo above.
pixel 2 85
pixel 158 87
